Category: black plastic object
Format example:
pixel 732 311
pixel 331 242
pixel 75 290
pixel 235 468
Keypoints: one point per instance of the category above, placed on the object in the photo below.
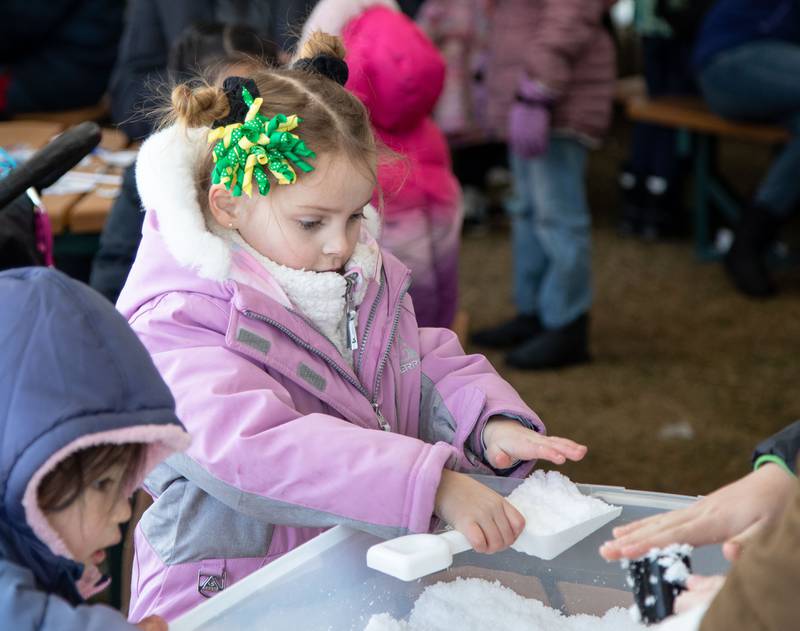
pixel 50 162
pixel 657 579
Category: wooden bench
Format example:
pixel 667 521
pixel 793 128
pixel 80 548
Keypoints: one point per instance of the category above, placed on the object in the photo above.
pixel 700 128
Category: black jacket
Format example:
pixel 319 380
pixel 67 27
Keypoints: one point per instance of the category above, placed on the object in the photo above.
pixel 784 445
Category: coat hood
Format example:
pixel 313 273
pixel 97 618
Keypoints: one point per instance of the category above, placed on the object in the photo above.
pixel 73 375
pixel 395 69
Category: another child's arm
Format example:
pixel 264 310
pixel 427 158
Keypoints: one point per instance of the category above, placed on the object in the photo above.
pixel 731 514
pixel 24 606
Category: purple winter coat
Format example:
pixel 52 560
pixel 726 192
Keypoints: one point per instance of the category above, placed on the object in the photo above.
pixel 286 435
pixel 559 43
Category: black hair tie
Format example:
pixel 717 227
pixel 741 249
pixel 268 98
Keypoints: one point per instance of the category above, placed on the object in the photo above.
pixel 232 86
pixel 326 65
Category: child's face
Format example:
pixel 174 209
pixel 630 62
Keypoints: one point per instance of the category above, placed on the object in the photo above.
pixel 91 523
pixel 313 224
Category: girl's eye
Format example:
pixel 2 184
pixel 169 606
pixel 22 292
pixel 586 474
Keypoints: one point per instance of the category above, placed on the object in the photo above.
pixel 358 215
pixel 103 484
pixel 308 225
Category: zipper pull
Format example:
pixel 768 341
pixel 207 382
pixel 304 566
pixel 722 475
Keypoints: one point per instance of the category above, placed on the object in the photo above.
pixel 381 420
pixel 352 333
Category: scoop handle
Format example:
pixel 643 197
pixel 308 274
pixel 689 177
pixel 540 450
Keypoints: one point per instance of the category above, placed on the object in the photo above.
pixel 456 541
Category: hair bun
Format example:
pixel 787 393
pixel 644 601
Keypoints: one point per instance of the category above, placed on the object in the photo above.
pixel 232 86
pixel 327 65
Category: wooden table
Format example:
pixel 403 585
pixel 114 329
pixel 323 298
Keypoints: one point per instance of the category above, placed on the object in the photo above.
pixel 75 213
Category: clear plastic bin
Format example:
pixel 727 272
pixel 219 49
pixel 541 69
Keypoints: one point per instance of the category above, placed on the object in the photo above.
pixel 325 584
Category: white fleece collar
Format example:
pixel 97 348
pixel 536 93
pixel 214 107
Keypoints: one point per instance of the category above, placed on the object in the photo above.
pixel 320 296
pixel 165 171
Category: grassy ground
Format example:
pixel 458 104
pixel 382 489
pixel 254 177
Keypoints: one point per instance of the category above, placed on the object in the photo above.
pixel 687 375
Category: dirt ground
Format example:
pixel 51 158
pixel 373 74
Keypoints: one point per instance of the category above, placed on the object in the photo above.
pixel 687 375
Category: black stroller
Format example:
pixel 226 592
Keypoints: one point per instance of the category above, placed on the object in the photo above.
pixel 25 237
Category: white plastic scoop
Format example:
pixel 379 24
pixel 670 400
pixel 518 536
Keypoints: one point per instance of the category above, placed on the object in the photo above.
pixel 414 556
pixel 548 501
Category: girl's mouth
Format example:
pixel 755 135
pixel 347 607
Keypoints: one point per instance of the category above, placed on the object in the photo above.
pixel 98 557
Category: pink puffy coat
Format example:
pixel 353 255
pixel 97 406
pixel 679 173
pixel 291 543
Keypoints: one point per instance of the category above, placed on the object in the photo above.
pixel 287 437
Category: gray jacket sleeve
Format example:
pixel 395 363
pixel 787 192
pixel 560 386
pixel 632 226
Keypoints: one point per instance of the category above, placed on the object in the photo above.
pixel 24 606
pixel 784 446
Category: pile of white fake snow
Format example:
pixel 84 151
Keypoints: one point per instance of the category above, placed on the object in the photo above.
pixel 474 604
pixel 551 503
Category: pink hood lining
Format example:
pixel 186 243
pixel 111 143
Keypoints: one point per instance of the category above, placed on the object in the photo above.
pixel 161 440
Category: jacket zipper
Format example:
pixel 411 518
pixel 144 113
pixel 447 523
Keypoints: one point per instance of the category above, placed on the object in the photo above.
pixel 350 312
pixel 382 422
pixel 368 326
pixel 385 357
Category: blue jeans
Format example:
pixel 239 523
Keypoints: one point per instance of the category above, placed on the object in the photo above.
pixel 759 81
pixel 551 224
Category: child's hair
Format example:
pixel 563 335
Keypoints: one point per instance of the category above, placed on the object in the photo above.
pixel 70 477
pixel 204 45
pixel 333 119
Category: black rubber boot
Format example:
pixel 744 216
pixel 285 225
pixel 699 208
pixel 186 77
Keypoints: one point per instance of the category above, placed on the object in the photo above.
pixel 509 334
pixel 746 262
pixel 554 348
pixel 631 191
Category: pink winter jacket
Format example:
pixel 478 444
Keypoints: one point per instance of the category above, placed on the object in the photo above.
pixel 398 74
pixel 560 43
pixel 286 435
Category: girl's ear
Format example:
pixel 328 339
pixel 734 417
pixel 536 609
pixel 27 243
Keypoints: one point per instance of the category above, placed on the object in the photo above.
pixel 223 206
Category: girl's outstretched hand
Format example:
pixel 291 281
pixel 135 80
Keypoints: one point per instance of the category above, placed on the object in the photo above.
pixel 730 515
pixel 484 517
pixel 508 441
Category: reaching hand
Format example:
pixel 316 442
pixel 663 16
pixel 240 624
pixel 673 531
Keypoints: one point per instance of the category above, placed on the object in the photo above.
pixel 701 590
pixel 730 515
pixel 508 441
pixel 483 516
pixel 153 623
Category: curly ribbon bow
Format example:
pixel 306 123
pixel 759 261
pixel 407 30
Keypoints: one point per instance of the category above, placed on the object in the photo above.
pixel 248 150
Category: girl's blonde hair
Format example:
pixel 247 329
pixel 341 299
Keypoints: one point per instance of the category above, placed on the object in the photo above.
pixel 333 119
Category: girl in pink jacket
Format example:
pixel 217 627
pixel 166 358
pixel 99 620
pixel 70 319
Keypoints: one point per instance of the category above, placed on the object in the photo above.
pixel 398 74
pixel 290 344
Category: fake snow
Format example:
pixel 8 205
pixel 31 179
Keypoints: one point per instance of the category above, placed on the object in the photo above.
pixel 551 503
pixel 475 604
pixel 671 558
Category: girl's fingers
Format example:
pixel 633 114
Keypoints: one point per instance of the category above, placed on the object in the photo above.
pixel 501 460
pixel 504 528
pixel 638 545
pixel 568 447
pixel 494 540
pixel 515 518
pixel 474 534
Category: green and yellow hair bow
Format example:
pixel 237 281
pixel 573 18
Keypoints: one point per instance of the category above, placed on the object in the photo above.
pixel 248 150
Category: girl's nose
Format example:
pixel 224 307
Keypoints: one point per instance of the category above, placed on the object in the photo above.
pixel 121 511
pixel 335 245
